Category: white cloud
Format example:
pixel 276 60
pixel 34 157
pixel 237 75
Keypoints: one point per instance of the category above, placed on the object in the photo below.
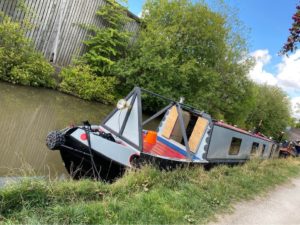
pixel 296 106
pixel 258 74
pixel 287 77
pixel 289 71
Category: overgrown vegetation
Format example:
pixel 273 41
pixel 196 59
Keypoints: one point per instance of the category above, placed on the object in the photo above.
pixel 105 46
pixel 271 112
pixel 19 62
pixel 183 48
pixel 179 53
pixel 146 196
pixel 80 81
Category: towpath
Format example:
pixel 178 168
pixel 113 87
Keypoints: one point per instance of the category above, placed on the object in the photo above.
pixel 279 207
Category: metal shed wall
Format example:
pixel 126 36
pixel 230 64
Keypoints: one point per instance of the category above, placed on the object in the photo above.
pixel 56 32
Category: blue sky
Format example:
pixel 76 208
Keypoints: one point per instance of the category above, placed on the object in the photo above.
pixel 268 22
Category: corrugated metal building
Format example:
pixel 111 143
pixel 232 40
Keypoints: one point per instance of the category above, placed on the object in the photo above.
pixel 56 31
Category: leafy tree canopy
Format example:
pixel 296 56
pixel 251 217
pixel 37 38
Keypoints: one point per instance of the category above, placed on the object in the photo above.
pixel 185 48
pixel 272 111
pixel 106 45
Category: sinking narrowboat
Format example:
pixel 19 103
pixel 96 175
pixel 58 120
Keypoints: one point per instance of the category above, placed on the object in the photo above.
pixel 184 135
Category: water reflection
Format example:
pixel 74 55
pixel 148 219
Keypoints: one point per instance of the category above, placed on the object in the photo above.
pixel 27 115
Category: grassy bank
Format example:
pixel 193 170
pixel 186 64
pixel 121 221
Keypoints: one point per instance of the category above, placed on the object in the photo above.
pixel 147 196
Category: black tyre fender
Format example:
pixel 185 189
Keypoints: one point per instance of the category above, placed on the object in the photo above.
pixel 54 140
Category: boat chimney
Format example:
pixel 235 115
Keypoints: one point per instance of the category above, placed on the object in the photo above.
pixel 181 100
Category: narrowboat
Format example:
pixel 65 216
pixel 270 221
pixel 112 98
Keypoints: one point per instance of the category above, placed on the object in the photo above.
pixel 184 136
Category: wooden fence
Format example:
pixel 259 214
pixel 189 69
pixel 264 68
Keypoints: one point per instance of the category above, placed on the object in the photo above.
pixel 56 31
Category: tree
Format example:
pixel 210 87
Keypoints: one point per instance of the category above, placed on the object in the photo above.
pixel 91 77
pixel 185 48
pixel 294 37
pixel 20 63
pixel 108 44
pixel 272 111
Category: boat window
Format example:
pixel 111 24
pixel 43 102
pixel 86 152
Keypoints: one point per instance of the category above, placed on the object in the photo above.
pixel 263 149
pixel 235 146
pixel 255 147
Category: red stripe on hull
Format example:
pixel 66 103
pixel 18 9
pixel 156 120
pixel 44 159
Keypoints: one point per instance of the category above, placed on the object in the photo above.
pixel 162 150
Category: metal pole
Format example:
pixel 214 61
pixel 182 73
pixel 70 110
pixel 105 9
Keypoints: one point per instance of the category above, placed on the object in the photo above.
pixel 183 132
pixel 157 114
pixel 173 101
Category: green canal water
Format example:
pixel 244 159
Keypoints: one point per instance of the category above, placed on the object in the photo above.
pixel 26 116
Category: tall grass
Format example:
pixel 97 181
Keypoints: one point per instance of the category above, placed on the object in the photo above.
pixel 146 196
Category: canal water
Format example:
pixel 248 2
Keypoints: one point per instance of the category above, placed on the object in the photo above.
pixel 26 116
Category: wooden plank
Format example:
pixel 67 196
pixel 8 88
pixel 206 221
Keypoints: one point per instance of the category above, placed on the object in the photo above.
pixel 170 122
pixel 197 133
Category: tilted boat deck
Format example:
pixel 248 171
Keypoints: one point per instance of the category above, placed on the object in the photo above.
pixel 164 148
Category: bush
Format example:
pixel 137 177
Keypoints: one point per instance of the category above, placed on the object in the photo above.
pixel 19 62
pixel 81 82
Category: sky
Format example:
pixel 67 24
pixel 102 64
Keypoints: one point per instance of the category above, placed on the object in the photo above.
pixel 268 22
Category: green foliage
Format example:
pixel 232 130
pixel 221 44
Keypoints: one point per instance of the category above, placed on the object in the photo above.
pixel 19 62
pixel 146 196
pixel 91 76
pixel 80 81
pixel 108 44
pixel 179 53
pixel 272 110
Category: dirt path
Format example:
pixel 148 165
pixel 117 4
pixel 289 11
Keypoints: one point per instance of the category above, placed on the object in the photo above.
pixel 281 206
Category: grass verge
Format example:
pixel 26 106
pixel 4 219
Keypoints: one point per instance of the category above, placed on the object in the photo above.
pixel 147 196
